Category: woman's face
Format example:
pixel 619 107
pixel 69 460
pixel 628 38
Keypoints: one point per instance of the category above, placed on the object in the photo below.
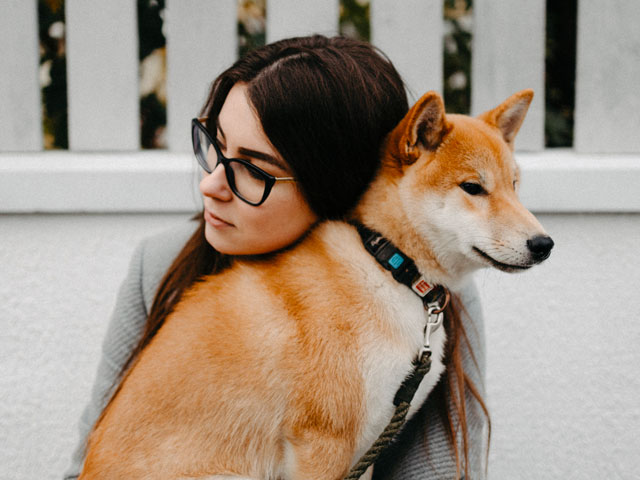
pixel 233 226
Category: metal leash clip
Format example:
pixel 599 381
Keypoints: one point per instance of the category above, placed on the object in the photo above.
pixel 435 316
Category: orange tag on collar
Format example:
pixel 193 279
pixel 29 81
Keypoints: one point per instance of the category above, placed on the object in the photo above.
pixel 421 287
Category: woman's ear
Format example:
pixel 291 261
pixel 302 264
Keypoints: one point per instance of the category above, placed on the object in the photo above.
pixel 509 115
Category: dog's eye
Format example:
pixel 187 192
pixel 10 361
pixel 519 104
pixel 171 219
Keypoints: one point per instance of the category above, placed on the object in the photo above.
pixel 473 188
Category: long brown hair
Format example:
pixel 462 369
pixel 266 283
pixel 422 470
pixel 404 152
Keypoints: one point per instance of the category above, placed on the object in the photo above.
pixel 325 104
pixel 456 386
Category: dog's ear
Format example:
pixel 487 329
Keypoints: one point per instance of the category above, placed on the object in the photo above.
pixel 422 128
pixel 509 115
pixel 427 123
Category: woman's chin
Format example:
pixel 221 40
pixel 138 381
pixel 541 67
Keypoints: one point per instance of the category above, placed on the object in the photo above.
pixel 213 237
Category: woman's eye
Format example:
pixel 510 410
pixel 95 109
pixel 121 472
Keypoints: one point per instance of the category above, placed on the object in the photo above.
pixel 255 174
pixel 473 188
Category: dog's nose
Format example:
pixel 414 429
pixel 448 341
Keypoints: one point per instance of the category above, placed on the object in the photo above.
pixel 540 246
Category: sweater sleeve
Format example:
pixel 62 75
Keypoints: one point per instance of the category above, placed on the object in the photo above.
pixel 125 328
pixel 422 449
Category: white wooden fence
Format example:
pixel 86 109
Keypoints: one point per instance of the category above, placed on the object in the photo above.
pixel 104 170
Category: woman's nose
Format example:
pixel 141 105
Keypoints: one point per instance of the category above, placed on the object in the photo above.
pixel 215 184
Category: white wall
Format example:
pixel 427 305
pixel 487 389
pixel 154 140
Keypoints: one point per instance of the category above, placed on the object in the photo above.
pixel 563 355
pixel 562 340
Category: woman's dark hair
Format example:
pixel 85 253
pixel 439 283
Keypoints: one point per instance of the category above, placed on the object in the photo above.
pixel 326 105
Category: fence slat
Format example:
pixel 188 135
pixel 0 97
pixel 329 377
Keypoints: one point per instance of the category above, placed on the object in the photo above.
pixel 201 43
pixel 290 18
pixel 508 56
pixel 102 75
pixel 20 117
pixel 410 33
pixel 607 117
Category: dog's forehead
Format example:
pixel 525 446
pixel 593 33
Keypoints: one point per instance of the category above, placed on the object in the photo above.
pixel 476 145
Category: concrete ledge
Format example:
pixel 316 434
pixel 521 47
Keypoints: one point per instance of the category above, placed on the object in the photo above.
pixel 562 181
pixel 70 182
pixel 554 180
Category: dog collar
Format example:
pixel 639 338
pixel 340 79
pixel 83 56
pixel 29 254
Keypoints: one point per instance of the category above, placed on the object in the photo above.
pixel 402 267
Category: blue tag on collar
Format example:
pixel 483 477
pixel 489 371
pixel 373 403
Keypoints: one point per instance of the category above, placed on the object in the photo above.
pixel 396 260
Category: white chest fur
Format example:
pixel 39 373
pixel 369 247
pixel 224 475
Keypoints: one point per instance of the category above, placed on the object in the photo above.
pixel 387 358
pixel 388 343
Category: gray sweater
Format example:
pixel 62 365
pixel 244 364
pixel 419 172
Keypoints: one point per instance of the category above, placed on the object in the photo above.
pixel 407 460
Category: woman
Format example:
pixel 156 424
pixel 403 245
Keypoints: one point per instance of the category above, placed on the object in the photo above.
pixel 297 126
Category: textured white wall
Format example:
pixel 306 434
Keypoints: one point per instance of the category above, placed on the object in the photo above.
pixel 564 354
pixel 562 339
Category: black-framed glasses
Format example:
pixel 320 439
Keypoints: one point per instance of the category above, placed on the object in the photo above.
pixel 248 182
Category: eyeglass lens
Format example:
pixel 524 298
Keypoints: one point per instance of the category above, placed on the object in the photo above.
pixel 243 180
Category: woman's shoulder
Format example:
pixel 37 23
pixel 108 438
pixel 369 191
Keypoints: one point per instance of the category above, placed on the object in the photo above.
pixel 156 253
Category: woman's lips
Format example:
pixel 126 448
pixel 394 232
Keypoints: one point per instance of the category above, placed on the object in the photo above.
pixel 214 221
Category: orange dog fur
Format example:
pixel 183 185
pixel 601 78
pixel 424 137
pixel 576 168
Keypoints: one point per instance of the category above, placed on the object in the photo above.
pixel 285 366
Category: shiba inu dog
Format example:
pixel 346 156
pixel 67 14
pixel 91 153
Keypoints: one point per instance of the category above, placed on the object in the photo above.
pixel 286 366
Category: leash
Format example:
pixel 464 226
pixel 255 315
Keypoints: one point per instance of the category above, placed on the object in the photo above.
pixel 435 299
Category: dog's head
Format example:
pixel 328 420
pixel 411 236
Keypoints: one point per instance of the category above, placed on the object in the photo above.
pixel 457 181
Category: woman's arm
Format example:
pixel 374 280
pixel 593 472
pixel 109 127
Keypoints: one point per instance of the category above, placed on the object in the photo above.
pixel 421 452
pixel 151 259
pixel 125 328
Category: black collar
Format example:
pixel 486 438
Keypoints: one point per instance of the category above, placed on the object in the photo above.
pixel 401 266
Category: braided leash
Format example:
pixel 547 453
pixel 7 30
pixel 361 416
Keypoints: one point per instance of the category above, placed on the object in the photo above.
pixel 402 401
